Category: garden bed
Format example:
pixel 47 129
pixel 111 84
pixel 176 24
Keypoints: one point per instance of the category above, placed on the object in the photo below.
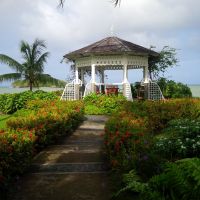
pixel 157 146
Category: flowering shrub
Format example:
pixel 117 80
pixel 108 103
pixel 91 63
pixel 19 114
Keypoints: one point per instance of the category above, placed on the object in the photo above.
pixel 159 113
pixel 37 127
pixel 182 139
pixel 125 139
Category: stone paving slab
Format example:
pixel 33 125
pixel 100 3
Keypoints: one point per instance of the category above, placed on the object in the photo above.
pixel 97 118
pixel 92 125
pixel 69 167
pixel 88 132
pixel 73 140
pixel 76 186
pixel 72 148
pixel 70 157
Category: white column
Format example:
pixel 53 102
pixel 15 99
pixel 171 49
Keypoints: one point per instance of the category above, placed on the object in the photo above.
pixel 76 74
pixel 93 73
pixel 125 73
pixel 82 75
pixel 146 74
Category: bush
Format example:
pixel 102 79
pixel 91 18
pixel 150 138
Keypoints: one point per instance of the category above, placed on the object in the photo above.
pixel 125 138
pixel 171 89
pixel 10 103
pixel 103 104
pixel 181 139
pixel 159 113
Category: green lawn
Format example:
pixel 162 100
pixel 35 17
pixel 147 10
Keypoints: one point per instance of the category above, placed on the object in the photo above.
pixel 3 119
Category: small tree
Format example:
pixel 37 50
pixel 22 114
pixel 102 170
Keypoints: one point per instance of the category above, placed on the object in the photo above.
pixel 32 68
pixel 167 58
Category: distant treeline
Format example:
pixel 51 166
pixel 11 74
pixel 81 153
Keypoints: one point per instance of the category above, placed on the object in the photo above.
pixel 23 84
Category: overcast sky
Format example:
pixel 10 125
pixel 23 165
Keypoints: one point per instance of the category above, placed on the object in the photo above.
pixel 82 22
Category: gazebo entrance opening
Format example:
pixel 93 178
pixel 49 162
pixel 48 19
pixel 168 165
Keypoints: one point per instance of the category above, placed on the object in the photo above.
pixel 110 53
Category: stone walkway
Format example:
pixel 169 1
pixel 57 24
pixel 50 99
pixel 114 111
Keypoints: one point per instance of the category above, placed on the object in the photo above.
pixel 75 169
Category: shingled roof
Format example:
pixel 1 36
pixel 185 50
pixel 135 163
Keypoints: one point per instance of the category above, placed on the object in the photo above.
pixel 110 46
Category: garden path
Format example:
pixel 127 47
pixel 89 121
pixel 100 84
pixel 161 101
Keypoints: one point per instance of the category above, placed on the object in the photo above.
pixel 74 169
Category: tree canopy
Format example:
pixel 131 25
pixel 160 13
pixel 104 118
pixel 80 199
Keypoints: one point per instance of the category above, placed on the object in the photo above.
pixel 166 59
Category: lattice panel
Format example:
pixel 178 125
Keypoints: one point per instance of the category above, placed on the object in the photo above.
pixel 154 92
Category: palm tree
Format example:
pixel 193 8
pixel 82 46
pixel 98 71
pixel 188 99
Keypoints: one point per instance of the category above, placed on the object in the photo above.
pixel 31 70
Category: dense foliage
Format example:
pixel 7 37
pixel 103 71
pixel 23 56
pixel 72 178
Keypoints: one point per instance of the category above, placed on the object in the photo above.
pixel 10 103
pixel 24 84
pixel 100 104
pixel 146 135
pixel 171 89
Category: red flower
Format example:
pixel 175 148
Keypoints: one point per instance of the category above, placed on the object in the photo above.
pixel 117 133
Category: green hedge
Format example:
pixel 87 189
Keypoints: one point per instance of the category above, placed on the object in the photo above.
pixel 10 103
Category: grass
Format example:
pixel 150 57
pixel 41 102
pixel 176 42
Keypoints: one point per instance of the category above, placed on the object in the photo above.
pixel 3 119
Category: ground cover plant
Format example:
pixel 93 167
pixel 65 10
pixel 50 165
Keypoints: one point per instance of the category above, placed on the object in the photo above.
pixel 33 128
pixel 150 139
pixel 100 104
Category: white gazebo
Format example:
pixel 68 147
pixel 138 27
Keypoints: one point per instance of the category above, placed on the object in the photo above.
pixel 111 53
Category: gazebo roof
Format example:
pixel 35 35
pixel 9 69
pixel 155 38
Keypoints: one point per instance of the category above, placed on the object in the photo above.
pixel 110 46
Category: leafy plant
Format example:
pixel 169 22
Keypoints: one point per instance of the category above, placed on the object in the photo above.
pixel 10 103
pixel 103 104
pixel 179 180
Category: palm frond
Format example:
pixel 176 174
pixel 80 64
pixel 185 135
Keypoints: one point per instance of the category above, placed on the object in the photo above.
pixel 117 2
pixel 10 62
pixel 39 65
pixel 46 78
pixel 10 77
pixel 37 48
pixel 26 51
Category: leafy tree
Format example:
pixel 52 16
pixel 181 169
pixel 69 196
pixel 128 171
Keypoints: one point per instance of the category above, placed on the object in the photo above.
pixel 171 89
pixel 32 68
pixel 167 58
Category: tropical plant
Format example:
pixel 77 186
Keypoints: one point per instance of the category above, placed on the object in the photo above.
pixel 180 180
pixel 32 68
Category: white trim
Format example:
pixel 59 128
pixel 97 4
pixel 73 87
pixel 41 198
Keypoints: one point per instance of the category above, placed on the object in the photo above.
pixel 93 73
pixel 76 75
